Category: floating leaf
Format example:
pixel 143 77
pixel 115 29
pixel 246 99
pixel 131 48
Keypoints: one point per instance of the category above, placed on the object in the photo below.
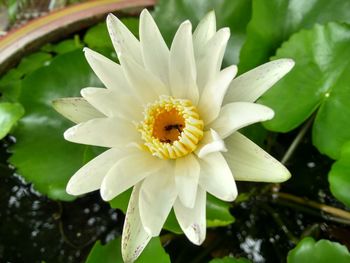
pixel 274 21
pixel 41 154
pixel 339 176
pixel 319 82
pixel 229 260
pixel 323 251
pixel 10 113
pixel 169 14
pixel 111 253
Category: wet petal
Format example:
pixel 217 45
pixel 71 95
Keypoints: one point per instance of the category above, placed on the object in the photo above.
pixel 157 196
pixel 216 177
pixel 193 221
pixel 213 94
pixel 125 174
pixel 90 176
pixel 105 132
pixel 124 42
pixel 76 109
pixel 182 65
pixel 109 72
pixel 113 104
pixel 154 50
pixel 210 143
pixel 134 238
pixel 252 84
pixel 236 115
pixel 186 179
pixel 249 162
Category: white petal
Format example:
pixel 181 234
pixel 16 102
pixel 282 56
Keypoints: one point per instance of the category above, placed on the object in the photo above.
pixel 237 115
pixel 109 72
pixel 105 132
pixel 134 238
pixel 209 62
pixel 125 174
pixel 157 196
pixel 113 104
pixel 186 178
pixel 124 42
pixel 76 109
pixel 216 177
pixel 182 65
pixel 145 85
pixel 213 94
pixel 210 143
pixel 154 50
pixel 90 176
pixel 252 84
pixel 205 30
pixel 249 162
pixel 193 221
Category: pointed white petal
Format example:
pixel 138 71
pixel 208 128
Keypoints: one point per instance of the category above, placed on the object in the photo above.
pixel 210 60
pixel 182 65
pixel 157 196
pixel 134 238
pixel 213 94
pixel 105 132
pixel 249 162
pixel 90 176
pixel 125 174
pixel 186 178
pixel 114 104
pixel 154 50
pixel 236 115
pixel 210 143
pixel 216 177
pixel 109 72
pixel 252 84
pixel 193 221
pixel 145 85
pixel 76 109
pixel 205 30
pixel 124 42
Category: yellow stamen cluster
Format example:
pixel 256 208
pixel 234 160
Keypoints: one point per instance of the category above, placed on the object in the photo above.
pixel 171 127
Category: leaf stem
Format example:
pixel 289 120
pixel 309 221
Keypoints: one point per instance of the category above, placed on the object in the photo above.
pixel 290 151
pixel 336 212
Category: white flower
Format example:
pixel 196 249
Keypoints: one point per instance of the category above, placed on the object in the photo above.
pixel 170 119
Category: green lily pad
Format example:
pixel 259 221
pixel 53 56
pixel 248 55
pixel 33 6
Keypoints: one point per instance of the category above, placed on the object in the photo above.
pixel 274 21
pixel 339 176
pixel 323 251
pixel 169 14
pixel 318 83
pixel 111 253
pixel 218 212
pixel 10 113
pixel 229 260
pixel 41 155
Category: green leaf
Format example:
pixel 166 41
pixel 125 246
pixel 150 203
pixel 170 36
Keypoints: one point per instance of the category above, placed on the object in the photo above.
pixel 339 176
pixel 319 82
pixel 169 14
pixel 32 62
pixel 111 253
pixel 229 260
pixel 10 113
pixel 274 21
pixel 67 45
pixel 218 212
pixel 323 251
pixel 41 154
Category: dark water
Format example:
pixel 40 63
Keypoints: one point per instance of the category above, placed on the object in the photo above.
pixel 36 229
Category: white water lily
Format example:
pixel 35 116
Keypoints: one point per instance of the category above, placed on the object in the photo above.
pixel 170 118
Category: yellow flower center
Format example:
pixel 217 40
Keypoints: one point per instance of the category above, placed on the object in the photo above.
pixel 171 127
